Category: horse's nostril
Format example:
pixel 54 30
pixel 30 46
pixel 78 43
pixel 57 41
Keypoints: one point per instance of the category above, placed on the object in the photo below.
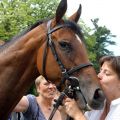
pixel 99 94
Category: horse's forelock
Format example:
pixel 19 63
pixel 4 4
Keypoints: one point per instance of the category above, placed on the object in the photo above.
pixel 75 28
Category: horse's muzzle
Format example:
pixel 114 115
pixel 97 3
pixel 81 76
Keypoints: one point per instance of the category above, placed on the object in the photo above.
pixel 98 100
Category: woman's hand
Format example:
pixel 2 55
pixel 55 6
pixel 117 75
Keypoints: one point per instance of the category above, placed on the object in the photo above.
pixel 73 110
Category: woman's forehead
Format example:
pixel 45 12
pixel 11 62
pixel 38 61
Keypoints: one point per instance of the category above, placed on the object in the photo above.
pixel 45 81
pixel 106 65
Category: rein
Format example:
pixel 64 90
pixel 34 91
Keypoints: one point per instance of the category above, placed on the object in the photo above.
pixel 73 88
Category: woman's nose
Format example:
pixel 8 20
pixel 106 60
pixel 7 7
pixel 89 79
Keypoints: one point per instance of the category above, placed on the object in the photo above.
pixel 99 75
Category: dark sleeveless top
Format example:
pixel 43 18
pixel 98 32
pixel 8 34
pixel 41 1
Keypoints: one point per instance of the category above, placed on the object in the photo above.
pixel 34 111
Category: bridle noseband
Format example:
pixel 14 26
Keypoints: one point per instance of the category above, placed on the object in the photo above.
pixel 66 74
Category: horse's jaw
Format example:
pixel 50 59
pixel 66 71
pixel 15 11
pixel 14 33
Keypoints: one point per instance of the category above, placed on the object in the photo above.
pixel 98 100
pixel 90 95
pixel 96 103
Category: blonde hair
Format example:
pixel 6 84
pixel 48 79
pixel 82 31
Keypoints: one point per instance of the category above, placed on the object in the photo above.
pixel 2 42
pixel 38 80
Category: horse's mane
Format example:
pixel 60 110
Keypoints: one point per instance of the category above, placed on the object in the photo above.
pixel 9 42
pixel 75 28
pixel 71 25
pixel 28 29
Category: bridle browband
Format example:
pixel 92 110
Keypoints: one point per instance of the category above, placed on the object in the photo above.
pixel 66 74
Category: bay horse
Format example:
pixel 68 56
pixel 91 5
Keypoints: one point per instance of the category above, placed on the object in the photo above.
pixel 53 48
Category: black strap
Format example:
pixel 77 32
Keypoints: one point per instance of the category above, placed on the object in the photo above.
pixel 76 68
pixel 19 116
pixel 44 60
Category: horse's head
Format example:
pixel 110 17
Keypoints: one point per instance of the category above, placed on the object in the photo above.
pixel 64 55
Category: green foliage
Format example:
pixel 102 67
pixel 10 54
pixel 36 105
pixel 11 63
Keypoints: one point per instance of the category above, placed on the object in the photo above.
pixel 103 39
pixel 97 40
pixel 33 90
pixel 16 15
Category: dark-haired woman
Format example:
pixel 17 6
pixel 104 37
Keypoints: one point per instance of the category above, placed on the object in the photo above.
pixel 109 79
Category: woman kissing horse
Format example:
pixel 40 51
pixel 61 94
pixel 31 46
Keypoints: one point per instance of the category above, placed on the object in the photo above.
pixel 53 48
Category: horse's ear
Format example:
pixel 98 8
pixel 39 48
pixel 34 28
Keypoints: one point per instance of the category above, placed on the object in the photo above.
pixel 62 7
pixel 75 17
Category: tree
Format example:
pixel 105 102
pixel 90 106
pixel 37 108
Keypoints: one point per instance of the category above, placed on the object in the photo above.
pixel 97 39
pixel 16 15
pixel 103 39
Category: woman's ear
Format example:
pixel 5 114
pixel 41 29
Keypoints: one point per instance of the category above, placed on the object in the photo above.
pixel 75 17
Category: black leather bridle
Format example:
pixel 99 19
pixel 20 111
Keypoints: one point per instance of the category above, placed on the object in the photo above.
pixel 66 74
pixel 50 43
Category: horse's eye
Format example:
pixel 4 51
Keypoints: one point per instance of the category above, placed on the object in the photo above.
pixel 65 46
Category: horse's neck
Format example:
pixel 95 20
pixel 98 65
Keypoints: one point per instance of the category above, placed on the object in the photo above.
pixel 18 69
pixel 32 39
